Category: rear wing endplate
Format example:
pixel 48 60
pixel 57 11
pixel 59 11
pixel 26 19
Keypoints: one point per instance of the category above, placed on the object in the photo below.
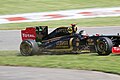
pixel 28 33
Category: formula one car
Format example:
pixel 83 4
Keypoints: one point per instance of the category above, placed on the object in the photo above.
pixel 36 40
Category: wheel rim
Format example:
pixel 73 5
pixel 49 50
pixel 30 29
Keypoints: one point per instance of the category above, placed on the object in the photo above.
pixel 102 47
pixel 26 48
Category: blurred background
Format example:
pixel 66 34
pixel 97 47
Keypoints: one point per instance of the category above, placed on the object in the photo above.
pixel 30 6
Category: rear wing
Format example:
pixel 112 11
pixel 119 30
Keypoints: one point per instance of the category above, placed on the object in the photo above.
pixel 28 33
pixel 35 33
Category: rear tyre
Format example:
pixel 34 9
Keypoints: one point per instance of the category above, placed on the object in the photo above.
pixel 28 47
pixel 104 46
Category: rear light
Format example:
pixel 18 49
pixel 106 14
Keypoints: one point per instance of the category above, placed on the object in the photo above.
pixel 116 50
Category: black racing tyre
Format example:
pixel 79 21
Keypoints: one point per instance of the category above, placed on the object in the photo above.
pixel 104 46
pixel 28 47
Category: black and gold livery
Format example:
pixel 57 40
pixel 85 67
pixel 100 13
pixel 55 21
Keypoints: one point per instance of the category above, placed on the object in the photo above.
pixel 66 40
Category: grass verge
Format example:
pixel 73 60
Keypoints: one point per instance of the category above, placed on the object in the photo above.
pixel 91 61
pixel 28 6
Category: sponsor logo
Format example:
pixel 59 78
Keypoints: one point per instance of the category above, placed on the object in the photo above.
pixel 28 35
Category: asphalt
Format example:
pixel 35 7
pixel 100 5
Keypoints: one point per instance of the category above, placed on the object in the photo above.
pixel 28 73
pixel 9 39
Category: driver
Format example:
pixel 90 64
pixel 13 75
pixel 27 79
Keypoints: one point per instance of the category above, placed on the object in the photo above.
pixel 72 28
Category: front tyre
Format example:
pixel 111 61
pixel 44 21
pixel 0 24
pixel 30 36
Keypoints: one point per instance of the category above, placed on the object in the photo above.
pixel 28 47
pixel 104 46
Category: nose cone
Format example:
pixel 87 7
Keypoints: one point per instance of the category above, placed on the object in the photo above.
pixel 116 50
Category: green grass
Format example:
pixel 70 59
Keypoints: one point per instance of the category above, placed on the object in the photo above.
pixel 26 6
pixel 92 22
pixel 91 61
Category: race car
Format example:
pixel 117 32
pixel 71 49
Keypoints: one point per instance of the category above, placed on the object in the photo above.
pixel 63 40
